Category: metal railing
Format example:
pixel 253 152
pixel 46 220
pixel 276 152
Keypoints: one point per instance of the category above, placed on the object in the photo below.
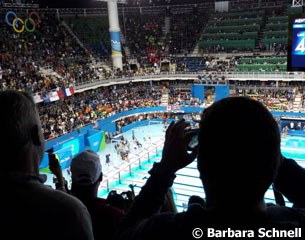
pixel 124 168
pixel 240 76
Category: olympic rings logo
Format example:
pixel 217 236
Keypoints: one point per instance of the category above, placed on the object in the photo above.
pixel 19 25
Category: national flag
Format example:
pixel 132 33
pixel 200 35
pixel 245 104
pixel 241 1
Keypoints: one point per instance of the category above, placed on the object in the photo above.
pixel 67 91
pixel 71 90
pixel 38 98
pixel 53 96
pixel 60 94
pixel 63 90
pixel 46 98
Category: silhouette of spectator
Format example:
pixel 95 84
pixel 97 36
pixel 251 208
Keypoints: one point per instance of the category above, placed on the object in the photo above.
pixel 235 175
pixel 30 209
pixel 86 170
pixel 194 199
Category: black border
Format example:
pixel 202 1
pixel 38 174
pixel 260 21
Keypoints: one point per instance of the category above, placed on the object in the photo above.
pixel 290 68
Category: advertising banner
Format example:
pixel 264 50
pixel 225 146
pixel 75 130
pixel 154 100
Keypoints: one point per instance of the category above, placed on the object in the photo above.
pixel 115 43
pixel 65 156
pixel 93 139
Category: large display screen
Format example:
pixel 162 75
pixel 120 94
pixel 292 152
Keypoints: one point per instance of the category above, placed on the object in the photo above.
pixel 296 43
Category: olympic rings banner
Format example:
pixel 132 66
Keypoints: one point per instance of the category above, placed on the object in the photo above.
pixel 19 25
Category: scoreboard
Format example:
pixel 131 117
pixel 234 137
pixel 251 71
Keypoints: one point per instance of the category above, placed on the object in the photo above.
pixel 296 43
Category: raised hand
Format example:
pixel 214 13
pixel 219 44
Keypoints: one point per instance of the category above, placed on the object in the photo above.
pixel 175 151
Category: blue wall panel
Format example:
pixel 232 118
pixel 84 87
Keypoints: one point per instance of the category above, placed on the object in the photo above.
pixel 221 92
pixel 198 91
pixel 61 139
pixel 93 139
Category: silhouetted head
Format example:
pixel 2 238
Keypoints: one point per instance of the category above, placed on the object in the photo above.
pixel 194 199
pixel 239 151
pixel 20 128
pixel 86 170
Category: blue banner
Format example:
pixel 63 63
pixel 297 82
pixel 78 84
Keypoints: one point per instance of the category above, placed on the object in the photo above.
pixel 45 161
pixel 198 91
pixel 59 140
pixel 81 139
pixel 65 156
pixel 74 144
pixel 94 138
pixel 221 92
pixel 115 39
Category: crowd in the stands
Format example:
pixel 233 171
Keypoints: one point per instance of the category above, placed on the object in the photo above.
pixel 83 108
pixel 45 59
pixel 51 59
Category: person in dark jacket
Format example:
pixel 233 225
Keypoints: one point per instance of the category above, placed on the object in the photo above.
pixel 30 209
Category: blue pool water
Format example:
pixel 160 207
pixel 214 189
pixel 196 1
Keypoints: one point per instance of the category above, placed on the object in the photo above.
pixel 294 147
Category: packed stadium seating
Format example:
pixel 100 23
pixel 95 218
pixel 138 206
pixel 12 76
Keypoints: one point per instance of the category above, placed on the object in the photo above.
pixel 93 32
pixel 262 64
pixel 64 50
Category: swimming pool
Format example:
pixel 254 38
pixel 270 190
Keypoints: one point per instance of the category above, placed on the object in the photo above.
pixel 187 182
pixel 294 147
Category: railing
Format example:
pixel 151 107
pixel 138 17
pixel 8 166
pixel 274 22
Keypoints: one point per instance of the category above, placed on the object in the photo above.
pixel 116 175
pixel 263 76
pixel 242 76
pixel 137 78
pixel 254 87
